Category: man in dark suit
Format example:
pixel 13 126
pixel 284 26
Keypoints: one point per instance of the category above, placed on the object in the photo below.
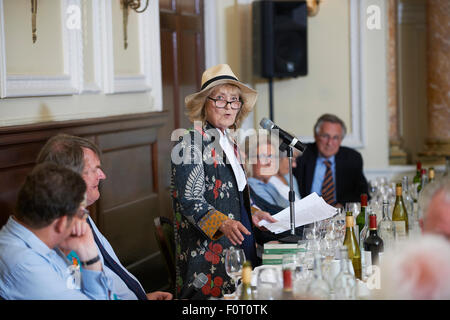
pixel 332 171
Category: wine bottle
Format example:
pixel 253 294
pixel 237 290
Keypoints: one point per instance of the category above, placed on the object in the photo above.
pixel 416 181
pixel 246 291
pixel 409 202
pixel 354 254
pixel 447 166
pixel 373 244
pixel 430 175
pixel 423 182
pixel 387 228
pixel 361 218
pixel 400 215
pixel 418 176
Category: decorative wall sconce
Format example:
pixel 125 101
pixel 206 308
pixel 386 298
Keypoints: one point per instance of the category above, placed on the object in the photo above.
pixel 33 19
pixel 126 5
pixel 313 7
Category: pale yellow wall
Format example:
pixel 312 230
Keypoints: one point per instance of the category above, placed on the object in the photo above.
pixel 298 102
pixel 21 53
pixel 45 57
pixel 125 61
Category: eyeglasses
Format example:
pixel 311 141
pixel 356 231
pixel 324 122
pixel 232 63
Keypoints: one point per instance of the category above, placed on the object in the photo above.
pixel 264 158
pixel 221 104
pixel 327 137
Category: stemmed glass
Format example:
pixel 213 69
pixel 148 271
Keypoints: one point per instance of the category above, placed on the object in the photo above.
pixel 234 260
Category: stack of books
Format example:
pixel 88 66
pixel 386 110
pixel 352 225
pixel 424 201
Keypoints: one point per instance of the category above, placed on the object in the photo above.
pixel 273 252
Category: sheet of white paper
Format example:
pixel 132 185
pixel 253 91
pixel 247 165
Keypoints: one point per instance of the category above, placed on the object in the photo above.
pixel 307 210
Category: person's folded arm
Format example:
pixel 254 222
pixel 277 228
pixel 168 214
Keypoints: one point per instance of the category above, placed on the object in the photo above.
pixel 39 280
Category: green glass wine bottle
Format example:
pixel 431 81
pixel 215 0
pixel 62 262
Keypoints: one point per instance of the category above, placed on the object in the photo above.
pixel 361 218
pixel 354 253
pixel 400 215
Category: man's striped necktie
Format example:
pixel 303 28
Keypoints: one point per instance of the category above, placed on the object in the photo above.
pixel 328 185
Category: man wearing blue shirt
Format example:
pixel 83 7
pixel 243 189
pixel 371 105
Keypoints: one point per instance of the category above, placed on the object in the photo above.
pixel 329 169
pixel 83 156
pixel 32 266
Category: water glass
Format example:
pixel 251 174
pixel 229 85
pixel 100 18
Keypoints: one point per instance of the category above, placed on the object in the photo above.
pixel 269 283
pixel 234 260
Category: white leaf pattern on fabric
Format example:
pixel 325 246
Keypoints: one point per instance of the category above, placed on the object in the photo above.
pixel 195 187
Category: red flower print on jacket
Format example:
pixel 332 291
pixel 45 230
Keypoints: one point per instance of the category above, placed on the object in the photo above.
pixel 213 155
pixel 216 188
pixel 213 254
pixel 213 287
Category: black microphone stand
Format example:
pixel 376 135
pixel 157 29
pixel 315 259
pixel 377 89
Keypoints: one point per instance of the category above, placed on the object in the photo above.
pixel 293 238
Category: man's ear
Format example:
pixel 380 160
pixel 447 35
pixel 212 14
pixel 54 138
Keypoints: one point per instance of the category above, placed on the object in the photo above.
pixel 61 224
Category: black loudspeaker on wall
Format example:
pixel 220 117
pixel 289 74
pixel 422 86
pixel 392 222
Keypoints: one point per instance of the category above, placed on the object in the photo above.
pixel 280 39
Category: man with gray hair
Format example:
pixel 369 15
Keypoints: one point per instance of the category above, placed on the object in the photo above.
pixel 83 157
pixel 329 169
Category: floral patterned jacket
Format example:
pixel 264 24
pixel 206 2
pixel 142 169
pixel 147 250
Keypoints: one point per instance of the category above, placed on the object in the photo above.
pixel 204 192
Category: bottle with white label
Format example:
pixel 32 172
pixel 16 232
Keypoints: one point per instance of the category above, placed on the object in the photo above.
pixel 400 215
pixel 373 244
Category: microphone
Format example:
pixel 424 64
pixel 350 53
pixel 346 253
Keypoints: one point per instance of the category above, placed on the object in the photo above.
pixel 196 285
pixel 286 137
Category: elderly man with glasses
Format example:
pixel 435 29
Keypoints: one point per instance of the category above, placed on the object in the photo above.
pixel 329 169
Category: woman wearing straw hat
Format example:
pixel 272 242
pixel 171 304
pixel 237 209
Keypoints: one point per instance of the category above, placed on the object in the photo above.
pixel 209 185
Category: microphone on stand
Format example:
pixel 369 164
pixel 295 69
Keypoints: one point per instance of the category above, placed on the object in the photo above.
pixel 195 285
pixel 289 141
pixel 286 137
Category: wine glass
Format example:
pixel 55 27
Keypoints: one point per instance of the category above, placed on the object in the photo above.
pixel 234 260
pixel 311 233
pixel 353 207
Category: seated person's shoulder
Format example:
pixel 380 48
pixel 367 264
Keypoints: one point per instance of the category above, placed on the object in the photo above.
pixel 350 152
pixel 15 258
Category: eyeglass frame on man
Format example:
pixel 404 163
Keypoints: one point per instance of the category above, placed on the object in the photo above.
pixel 327 137
pixel 227 102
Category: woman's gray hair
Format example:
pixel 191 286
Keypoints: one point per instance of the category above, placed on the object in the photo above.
pixel 328 117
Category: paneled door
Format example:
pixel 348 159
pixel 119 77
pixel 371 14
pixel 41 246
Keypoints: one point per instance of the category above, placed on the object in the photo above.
pixel 183 62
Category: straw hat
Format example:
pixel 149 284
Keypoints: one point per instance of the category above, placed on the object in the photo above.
pixel 219 74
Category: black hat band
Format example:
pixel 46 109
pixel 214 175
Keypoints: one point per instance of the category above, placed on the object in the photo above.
pixel 207 83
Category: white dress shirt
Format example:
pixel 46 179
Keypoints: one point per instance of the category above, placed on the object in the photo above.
pixel 228 148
